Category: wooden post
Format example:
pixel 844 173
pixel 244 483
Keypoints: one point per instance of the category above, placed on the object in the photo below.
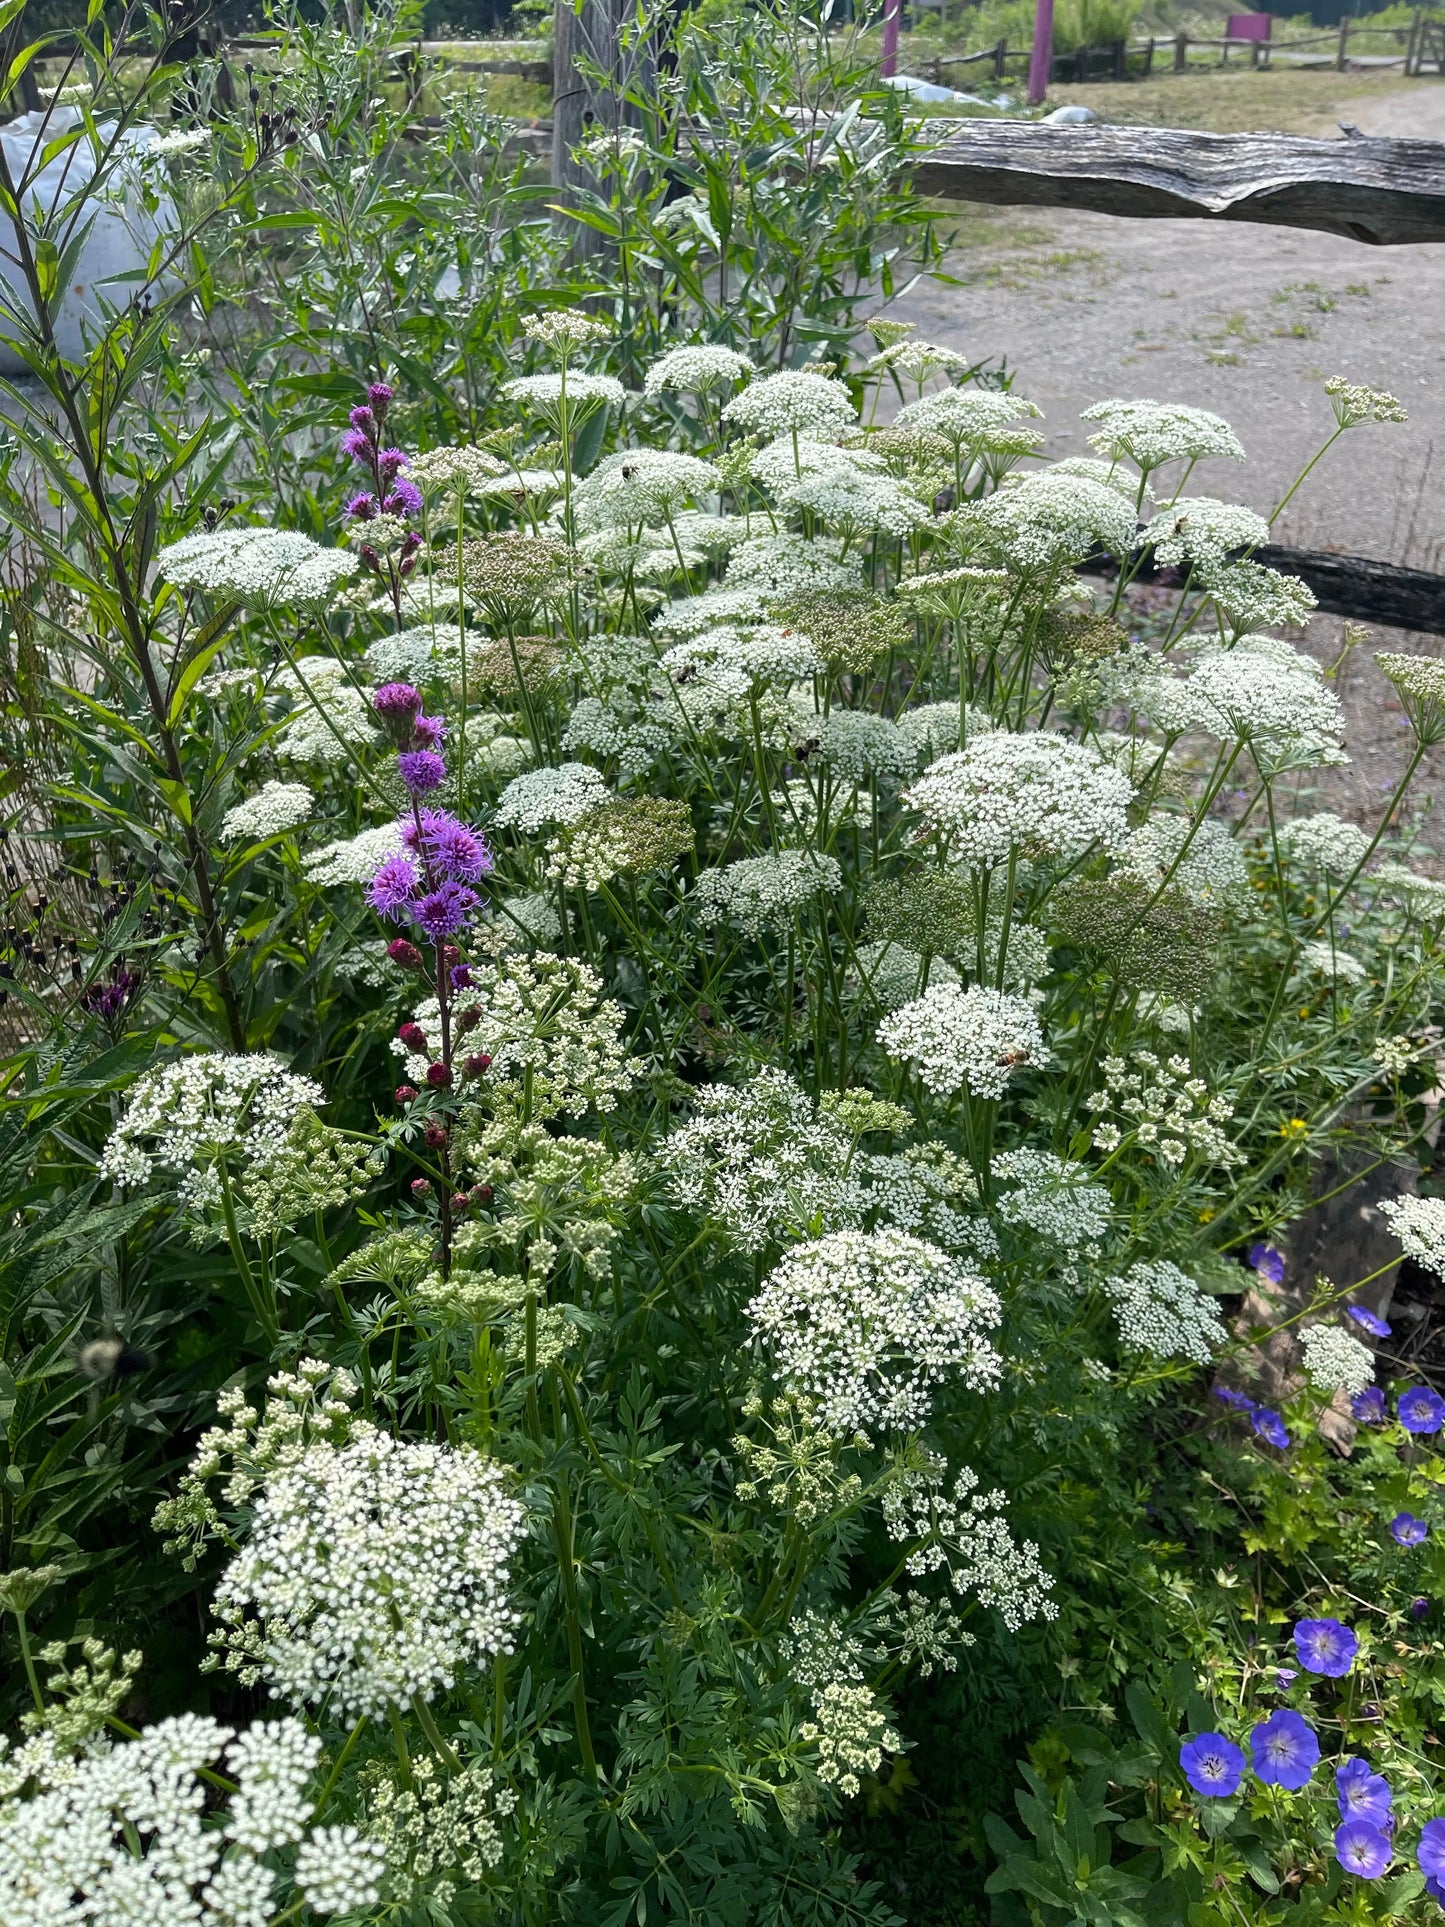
pixel 593 31
pixel 1344 44
pixel 1149 58
pixel 1120 70
pixel 1181 52
pixel 1410 43
pixel 1042 53
pixel 1000 59
pixel 892 14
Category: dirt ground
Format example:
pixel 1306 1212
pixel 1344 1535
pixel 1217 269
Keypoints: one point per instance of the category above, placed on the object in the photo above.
pixel 1249 321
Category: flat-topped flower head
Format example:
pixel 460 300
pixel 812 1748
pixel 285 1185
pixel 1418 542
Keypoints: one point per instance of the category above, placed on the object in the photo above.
pixel 1354 403
pixel 1362 1793
pixel 1362 1849
pixel 1213 1765
pixel 696 369
pixel 1419 1224
pixel 1325 1646
pixel 966 415
pixel 959 1040
pixel 1284 1750
pixel 1407 1530
pixel 1153 432
pixel 1037 793
pixel 1421 1411
pixel 1335 1361
pixel 792 401
pixel 1200 528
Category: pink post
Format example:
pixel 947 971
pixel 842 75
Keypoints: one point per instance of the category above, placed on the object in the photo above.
pixel 1041 59
pixel 892 14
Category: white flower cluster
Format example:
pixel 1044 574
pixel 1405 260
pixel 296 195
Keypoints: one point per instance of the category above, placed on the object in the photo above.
pixel 549 1031
pixel 189 1115
pixel 1419 1224
pixel 1046 519
pixel 763 570
pixel 123 1834
pixel 1211 870
pixel 1330 962
pixel 792 402
pixel 1335 1361
pixel 851 1733
pixel 421 654
pixel 574 387
pixel 1423 896
pixel 932 729
pixel 373 1571
pixel 353 859
pixel 723 668
pixel 1038 793
pixel 853 744
pixel 1354 403
pixel 760 891
pixel 1159 1309
pixel 1324 842
pixel 850 501
pixel 1051 1198
pixel 1153 432
pixel 264 568
pixel 1251 596
pixel 1198 528
pixel 792 457
pixel 694 370
pixel 462 470
pixel 870 1323
pixel 965 1533
pixel 551 795
pixel 919 1190
pixel 916 360
pixel 970 1040
pixel 641 488
pixel 275 808
pixel 894 974
pixel 1169 1110
pixel 972 417
pixel 1273 699
pixel 328 714
pixel 441 1823
pixel 760 1164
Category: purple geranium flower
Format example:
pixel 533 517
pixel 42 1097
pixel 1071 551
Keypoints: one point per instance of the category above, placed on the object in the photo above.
pixel 1325 1646
pixel 1284 1750
pixel 1362 1795
pixel 1371 1321
pixel 1407 1530
pixel 1237 1401
pixel 392 888
pixel 1270 1427
pixel 1419 1608
pixel 422 770
pixel 1421 1410
pixel 1362 1849
pixel 1285 1677
pixel 1268 1262
pixel 1369 1406
pixel 1212 1765
pixel 1431 1851
pixel 445 910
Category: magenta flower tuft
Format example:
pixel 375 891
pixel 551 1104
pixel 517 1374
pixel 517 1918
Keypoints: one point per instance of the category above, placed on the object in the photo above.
pixel 389 464
pixel 1325 1646
pixel 445 910
pixel 391 890
pixel 357 444
pixel 361 508
pixel 362 419
pixel 397 702
pixel 404 498
pixel 428 731
pixel 422 770
pixel 379 394
pixel 451 846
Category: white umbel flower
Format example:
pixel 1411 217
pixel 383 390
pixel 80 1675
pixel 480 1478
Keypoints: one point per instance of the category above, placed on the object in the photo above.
pixel 967 415
pixel 1270 700
pixel 1336 1362
pixel 274 809
pixel 548 391
pixel 869 1324
pixel 1198 528
pixel 1211 870
pixel 374 1571
pixel 264 568
pixel 1037 793
pixel 1161 1310
pixel 758 891
pixel 1153 432
pixel 551 795
pixel 1332 962
pixel 970 1040
pixel 694 370
pixel 1324 842
pixel 792 401
pixel 339 1870
pixel 1419 1224
pixel 1048 518
pixel 353 859
pixel 641 488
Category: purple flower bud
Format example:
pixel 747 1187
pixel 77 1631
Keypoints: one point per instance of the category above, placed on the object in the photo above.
pixel 404 498
pixel 379 394
pixel 427 731
pixel 1237 1401
pixel 392 888
pixel 1369 1320
pixel 398 704
pixel 1419 1608
pixel 361 508
pixel 461 977
pixel 362 420
pixel 445 910
pixel 357 445
pixel 389 464
pixel 422 770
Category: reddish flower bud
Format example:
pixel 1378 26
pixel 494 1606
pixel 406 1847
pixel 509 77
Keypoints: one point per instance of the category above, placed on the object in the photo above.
pixel 450 954
pixel 421 1187
pixel 469 1018
pixel 477 1065
pixel 438 1076
pixel 413 1036
pixel 404 953
pixel 460 1201
pixel 435 1136
pixel 406 1093
pixel 482 1193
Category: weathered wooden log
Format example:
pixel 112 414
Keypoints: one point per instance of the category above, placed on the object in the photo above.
pixel 1345 585
pixel 1387 192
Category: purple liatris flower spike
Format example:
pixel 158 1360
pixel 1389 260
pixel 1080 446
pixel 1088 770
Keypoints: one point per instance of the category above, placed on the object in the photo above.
pixel 1369 1321
pixel 1268 1262
pixel 1362 1794
pixel 1431 1851
pixel 1407 1530
pixel 422 770
pixel 379 394
pixel 428 731
pixel 403 498
pixel 1284 1750
pixel 1270 1427
pixel 361 508
pixel 389 464
pixel 1362 1849
pixel 362 419
pixel 445 910
pixel 451 846
pixel 357 444
pixel 398 706
pixel 1369 1407
pixel 391 890
pixel 1325 1646
pixel 1212 1765
pixel 1421 1410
